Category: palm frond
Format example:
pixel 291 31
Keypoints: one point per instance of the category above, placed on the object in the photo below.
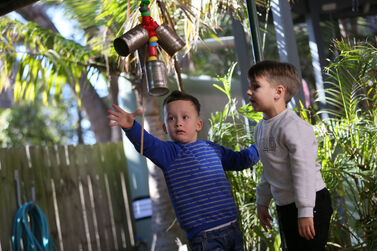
pixel 350 75
pixel 45 60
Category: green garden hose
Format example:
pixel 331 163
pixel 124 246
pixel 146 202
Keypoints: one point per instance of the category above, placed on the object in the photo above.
pixel 30 230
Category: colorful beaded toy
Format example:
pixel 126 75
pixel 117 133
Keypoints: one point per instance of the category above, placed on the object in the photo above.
pixel 150 25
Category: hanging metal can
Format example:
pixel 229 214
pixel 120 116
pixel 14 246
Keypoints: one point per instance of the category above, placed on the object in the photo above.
pixel 169 40
pixel 131 40
pixel 157 83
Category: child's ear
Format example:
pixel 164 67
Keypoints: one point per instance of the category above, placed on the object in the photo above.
pixel 280 91
pixel 199 125
pixel 164 128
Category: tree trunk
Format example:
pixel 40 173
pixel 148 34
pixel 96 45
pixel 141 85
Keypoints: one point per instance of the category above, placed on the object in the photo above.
pixel 80 138
pixel 116 132
pixel 95 109
pixel 37 14
pixel 7 93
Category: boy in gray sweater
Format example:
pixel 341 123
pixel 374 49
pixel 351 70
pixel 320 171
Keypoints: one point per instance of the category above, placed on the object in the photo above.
pixel 288 150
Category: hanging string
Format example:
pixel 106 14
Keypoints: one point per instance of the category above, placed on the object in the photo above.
pixel 150 25
pixel 142 120
pixel 147 23
pixel 141 58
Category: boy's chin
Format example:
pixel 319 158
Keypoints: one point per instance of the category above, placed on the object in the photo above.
pixel 183 140
pixel 177 139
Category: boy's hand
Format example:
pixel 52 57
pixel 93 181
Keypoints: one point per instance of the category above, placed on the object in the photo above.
pixel 306 227
pixel 122 118
pixel 264 217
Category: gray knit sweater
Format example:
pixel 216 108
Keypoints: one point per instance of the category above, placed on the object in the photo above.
pixel 288 150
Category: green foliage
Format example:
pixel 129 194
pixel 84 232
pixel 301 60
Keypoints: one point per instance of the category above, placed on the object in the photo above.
pixel 353 80
pixel 86 13
pixel 348 145
pixel 33 124
pixel 45 62
pixel 231 129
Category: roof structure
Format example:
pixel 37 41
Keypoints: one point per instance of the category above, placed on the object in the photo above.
pixel 334 9
pixel 7 6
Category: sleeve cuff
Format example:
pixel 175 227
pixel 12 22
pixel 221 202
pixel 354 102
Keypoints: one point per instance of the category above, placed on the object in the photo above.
pixel 253 154
pixel 263 201
pixel 132 127
pixel 305 212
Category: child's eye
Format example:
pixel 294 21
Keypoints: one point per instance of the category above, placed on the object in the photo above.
pixel 170 118
pixel 254 86
pixel 185 117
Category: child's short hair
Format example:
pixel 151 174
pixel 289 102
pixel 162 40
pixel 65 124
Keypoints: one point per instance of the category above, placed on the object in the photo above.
pixel 277 73
pixel 178 95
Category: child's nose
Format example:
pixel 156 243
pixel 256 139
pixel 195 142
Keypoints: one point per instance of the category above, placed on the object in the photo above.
pixel 178 123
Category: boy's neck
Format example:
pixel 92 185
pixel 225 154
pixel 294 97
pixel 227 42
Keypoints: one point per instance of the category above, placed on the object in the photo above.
pixel 274 112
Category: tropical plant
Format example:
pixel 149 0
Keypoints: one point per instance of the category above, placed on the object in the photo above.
pixel 348 145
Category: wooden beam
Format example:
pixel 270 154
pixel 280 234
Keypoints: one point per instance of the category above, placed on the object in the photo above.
pixel 318 52
pixel 286 40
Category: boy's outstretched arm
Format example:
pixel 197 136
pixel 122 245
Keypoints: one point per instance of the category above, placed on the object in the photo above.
pixel 122 118
pixel 264 217
pixel 237 161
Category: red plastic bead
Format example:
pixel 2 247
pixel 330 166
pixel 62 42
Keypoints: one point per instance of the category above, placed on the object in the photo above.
pixel 152 51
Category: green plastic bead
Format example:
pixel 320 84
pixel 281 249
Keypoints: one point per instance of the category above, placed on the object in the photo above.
pixel 146 13
pixel 145 2
pixel 143 9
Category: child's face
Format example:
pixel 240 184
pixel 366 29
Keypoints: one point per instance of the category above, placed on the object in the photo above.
pixel 181 121
pixel 262 95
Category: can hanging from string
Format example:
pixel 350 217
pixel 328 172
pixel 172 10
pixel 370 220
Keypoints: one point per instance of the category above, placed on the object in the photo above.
pixel 131 40
pixel 157 84
pixel 169 40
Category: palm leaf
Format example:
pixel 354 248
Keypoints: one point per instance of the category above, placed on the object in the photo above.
pixel 46 59
pixel 350 75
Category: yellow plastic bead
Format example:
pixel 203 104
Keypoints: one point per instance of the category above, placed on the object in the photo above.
pixel 153 39
pixel 152 58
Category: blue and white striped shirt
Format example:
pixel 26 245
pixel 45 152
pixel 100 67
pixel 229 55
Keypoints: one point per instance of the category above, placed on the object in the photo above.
pixel 194 174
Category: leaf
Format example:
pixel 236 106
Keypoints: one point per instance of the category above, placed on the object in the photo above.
pixel 220 88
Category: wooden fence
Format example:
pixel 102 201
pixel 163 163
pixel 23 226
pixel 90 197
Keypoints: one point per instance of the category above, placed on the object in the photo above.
pixel 82 190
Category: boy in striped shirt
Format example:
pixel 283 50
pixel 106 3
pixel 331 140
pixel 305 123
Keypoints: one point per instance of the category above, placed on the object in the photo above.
pixel 193 171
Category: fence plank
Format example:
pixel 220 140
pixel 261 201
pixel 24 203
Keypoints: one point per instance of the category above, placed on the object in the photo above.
pixel 39 179
pixel 101 200
pixel 57 196
pixel 60 177
pixel 78 188
pixel 7 196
